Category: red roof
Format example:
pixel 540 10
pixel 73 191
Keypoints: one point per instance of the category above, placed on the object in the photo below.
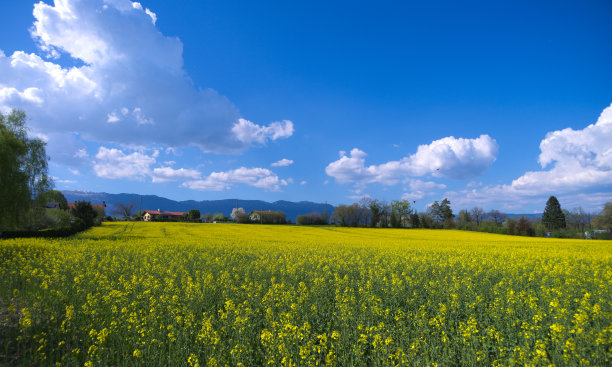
pixel 163 212
pixel 95 206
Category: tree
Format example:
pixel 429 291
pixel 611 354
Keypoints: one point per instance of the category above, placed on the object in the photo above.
pixel 464 218
pixel 218 217
pixel 578 219
pixel 83 211
pixel 604 219
pixel 236 212
pixel 375 211
pixel 553 217
pixel 441 212
pixel 54 196
pixel 194 214
pixel 524 228
pixel 23 170
pixel 208 217
pixel 124 210
pixel 401 209
pixel 497 216
pixel 313 218
pixel 478 215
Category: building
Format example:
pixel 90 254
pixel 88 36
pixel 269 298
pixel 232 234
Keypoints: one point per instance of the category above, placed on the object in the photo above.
pixel 96 207
pixel 162 214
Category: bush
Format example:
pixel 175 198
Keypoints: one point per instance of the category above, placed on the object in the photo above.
pixel 313 218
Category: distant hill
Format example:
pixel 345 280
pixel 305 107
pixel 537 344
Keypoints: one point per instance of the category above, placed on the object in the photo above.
pixel 154 202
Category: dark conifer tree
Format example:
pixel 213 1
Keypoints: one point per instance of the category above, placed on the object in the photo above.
pixel 553 217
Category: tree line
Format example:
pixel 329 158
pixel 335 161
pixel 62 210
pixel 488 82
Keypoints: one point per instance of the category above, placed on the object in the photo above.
pixel 555 221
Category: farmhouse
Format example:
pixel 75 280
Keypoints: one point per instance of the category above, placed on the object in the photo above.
pixel 161 214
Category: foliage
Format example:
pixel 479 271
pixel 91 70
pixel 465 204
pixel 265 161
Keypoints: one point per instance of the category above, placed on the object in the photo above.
pixel 218 217
pixel 58 218
pixel 464 219
pixel 237 212
pixel 604 219
pixel 183 294
pixel 478 215
pixel 354 215
pixel 23 170
pixel 194 214
pixel 496 216
pixel 313 218
pixel 401 210
pixel 85 213
pixel 553 217
pixel 441 212
pixel 524 228
pixel 269 217
pixel 54 196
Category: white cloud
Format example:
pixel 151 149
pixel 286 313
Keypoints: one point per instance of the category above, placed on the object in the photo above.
pixel 418 189
pixel 248 132
pixel 282 163
pixel 450 157
pixel 113 163
pixel 168 174
pixel 129 77
pixel 580 162
pixel 303 183
pixel 74 172
pixel 257 177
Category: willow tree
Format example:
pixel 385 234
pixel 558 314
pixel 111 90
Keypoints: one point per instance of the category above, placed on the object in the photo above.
pixel 23 170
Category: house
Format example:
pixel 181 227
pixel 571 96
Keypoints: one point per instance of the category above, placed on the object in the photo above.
pixel 267 217
pixel 96 207
pixel 161 214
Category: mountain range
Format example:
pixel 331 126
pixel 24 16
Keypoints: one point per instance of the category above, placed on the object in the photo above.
pixel 154 202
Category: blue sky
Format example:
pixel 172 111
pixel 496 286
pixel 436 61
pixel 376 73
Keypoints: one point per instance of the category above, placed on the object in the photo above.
pixel 491 104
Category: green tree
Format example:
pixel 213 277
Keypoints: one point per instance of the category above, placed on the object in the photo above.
pixel 604 219
pixel 524 228
pixel 23 170
pixel 401 209
pixel 85 213
pixel 553 217
pixel 375 212
pixel 464 219
pixel 54 196
pixel 194 214
pixel 441 212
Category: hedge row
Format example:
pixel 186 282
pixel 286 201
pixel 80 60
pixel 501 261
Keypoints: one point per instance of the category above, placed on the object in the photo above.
pixel 45 233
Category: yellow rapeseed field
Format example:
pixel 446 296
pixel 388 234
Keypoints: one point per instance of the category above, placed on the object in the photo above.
pixel 250 295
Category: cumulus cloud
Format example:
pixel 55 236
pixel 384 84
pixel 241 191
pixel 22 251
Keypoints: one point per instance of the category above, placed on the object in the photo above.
pixel 282 163
pixel 249 132
pixel 418 189
pixel 450 157
pixel 578 161
pixel 257 177
pixel 128 86
pixel 113 163
pixel 168 174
